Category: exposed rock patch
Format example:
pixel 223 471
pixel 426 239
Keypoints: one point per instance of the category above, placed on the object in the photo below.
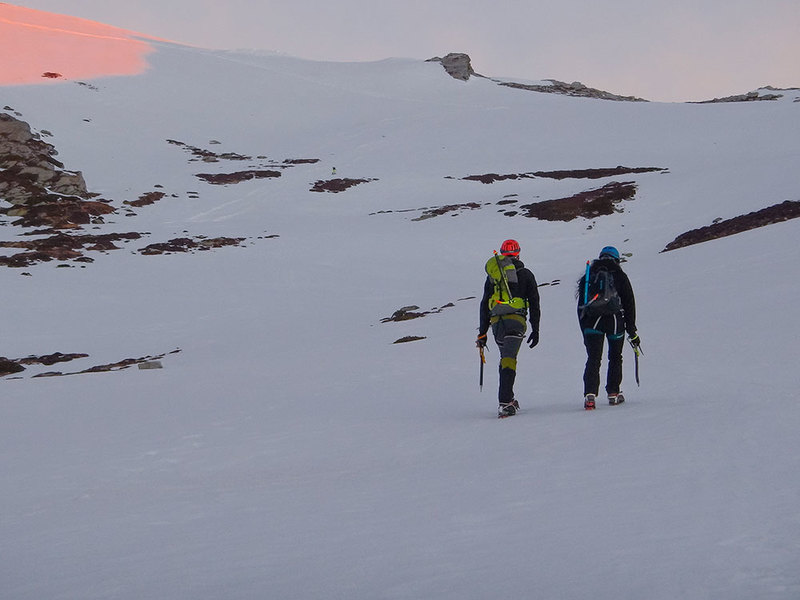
pixel 748 97
pixel 300 161
pixel 88 86
pixel 566 174
pixel 405 314
pixel 457 64
pixel 146 199
pixel 588 204
pixel 428 212
pixel 185 244
pixel 577 89
pixel 549 283
pixel 790 209
pixel 115 366
pixel 337 185
pixel 237 177
pixel 41 192
pixel 209 156
pixel 413 311
pixel 454 209
pixel 17 365
pixel 201 154
pixel 62 246
pixel 58 212
pixel 8 367
pixel 51 359
pixel 409 338
pixel 260 170
pixel 766 93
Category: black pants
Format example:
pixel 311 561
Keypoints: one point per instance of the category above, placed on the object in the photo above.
pixel 508 334
pixel 594 354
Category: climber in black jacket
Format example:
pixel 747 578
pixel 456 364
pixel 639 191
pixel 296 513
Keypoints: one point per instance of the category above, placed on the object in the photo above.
pixel 509 329
pixel 612 325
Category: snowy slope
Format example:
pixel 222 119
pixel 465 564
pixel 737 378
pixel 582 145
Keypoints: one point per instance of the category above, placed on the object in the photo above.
pixel 291 450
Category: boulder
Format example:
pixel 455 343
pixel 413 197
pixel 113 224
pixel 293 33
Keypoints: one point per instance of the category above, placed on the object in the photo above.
pixel 457 65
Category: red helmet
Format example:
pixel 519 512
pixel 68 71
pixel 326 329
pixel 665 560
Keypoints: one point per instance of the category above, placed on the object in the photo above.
pixel 510 248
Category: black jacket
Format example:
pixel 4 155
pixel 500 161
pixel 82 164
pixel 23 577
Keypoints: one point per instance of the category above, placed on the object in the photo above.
pixel 626 318
pixel 526 287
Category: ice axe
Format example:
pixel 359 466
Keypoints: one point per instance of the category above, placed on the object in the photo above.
pixel 483 358
pixel 637 351
pixel 483 362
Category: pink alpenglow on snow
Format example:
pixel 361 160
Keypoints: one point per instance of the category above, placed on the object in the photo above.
pixel 40 47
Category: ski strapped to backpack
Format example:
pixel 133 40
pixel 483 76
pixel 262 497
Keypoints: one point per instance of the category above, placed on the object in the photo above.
pixel 600 295
pixel 502 271
pixel 586 287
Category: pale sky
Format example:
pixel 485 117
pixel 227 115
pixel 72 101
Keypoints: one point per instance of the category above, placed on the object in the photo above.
pixel 663 50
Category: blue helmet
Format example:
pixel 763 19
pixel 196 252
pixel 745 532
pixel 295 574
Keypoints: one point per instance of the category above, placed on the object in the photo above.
pixel 609 252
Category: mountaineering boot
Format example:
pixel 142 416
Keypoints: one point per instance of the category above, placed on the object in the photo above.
pixel 614 399
pixel 588 402
pixel 507 410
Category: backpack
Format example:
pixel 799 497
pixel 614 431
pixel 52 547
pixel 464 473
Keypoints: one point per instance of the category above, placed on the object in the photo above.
pixel 600 295
pixel 502 272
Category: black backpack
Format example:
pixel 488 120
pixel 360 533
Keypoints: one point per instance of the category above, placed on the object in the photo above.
pixel 599 294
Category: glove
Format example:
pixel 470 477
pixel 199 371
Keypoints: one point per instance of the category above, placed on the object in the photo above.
pixel 533 338
pixel 635 340
pixel 481 341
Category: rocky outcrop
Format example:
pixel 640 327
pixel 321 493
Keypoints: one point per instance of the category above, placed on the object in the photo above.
pixel 457 64
pixel 61 246
pixel 589 204
pixel 36 185
pixel 237 177
pixel 8 367
pixel 335 186
pixel 576 88
pixel 190 245
pixel 565 174
pixel 766 93
pixel 789 209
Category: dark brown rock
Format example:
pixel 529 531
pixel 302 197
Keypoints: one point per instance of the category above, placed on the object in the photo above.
pixel 790 209
pixel 588 204
pixel 337 185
